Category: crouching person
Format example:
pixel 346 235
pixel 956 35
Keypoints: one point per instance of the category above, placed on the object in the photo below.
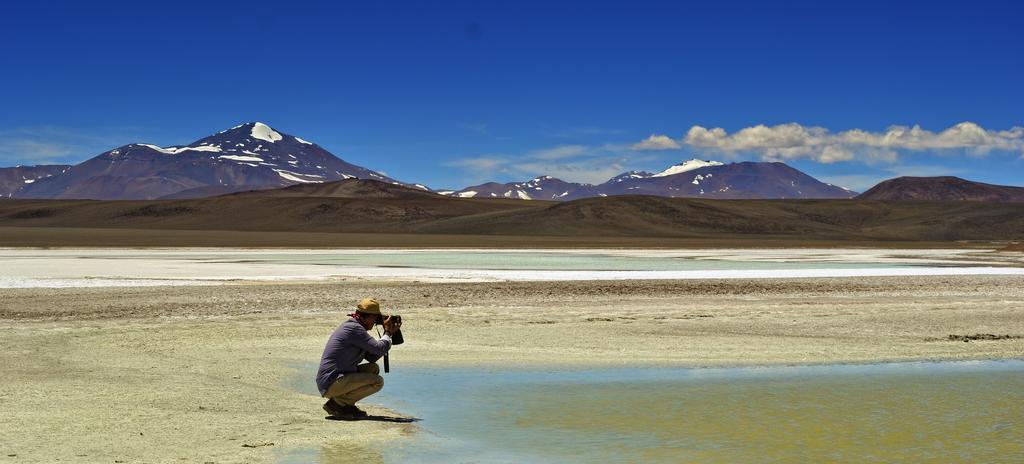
pixel 341 378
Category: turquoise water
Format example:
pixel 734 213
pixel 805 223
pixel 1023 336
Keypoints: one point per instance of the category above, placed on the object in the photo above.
pixel 904 412
pixel 545 261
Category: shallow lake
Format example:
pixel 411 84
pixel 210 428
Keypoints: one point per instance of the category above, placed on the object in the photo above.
pixel 902 412
pixel 131 267
pixel 551 261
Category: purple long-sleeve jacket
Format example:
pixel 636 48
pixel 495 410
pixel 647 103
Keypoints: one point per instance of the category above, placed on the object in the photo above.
pixel 349 344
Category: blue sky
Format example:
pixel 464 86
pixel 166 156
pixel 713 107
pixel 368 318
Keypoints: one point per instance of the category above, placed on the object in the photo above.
pixel 452 93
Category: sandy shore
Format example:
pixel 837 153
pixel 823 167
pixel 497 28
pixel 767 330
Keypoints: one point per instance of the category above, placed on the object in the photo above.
pixel 195 374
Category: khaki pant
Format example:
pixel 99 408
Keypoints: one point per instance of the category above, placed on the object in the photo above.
pixel 350 388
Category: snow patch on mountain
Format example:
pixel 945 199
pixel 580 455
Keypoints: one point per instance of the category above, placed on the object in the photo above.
pixel 176 150
pixel 263 132
pixel 241 158
pixel 208 148
pixel 293 176
pixel 630 175
pixel 687 166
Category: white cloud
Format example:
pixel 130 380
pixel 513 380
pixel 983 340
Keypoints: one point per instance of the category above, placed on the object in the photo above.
pixel 794 141
pixel 657 142
pixel 53 145
pixel 481 164
pixel 966 135
pixel 572 163
pixel 560 152
pixel 28 151
pixel 591 171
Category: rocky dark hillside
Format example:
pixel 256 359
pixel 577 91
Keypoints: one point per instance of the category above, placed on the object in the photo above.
pixel 942 189
pixel 365 206
pixel 18 177
pixel 348 188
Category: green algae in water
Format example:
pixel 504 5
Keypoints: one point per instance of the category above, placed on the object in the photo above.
pixel 917 412
pixel 959 417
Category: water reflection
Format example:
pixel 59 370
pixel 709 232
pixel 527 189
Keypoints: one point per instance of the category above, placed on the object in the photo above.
pixel 332 453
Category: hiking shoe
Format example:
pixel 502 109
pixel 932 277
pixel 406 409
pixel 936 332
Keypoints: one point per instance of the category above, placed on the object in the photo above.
pixel 355 411
pixel 346 413
pixel 334 409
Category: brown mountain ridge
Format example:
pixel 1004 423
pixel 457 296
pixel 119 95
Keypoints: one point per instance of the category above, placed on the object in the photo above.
pixel 365 206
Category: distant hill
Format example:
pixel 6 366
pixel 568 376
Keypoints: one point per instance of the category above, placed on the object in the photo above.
pixel 348 188
pixel 215 190
pixel 245 157
pixel 690 179
pixel 16 178
pixel 353 205
pixel 942 189
pixel 364 206
pixel 800 219
pixel 540 188
pixel 746 180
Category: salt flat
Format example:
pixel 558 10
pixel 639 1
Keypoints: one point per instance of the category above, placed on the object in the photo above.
pixel 135 267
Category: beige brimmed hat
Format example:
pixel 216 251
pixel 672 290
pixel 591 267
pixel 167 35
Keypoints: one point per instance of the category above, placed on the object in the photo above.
pixel 368 306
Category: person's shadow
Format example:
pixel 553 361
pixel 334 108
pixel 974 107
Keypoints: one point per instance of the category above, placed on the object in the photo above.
pixel 375 418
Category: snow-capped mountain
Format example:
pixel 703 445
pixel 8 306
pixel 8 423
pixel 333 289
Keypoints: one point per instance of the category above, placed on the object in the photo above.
pixel 690 179
pixel 540 188
pixel 245 157
pixel 712 179
pixel 686 166
pixel 255 156
pixel 628 177
pixel 13 179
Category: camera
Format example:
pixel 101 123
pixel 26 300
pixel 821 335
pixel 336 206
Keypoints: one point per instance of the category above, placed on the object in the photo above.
pixel 396 338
